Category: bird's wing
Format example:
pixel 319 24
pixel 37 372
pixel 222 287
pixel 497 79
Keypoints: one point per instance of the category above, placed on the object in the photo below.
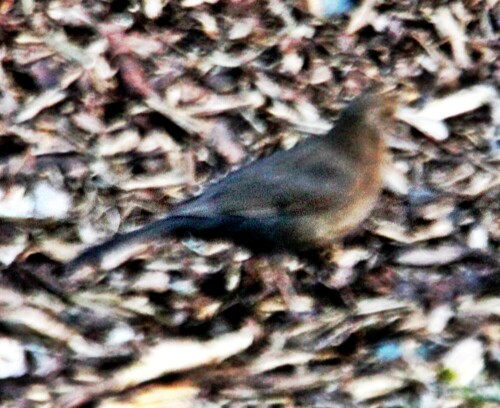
pixel 299 181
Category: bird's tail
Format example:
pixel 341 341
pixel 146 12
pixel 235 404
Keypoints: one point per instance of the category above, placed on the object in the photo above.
pixel 121 247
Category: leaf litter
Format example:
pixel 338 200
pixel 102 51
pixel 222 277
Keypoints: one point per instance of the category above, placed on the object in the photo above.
pixel 111 114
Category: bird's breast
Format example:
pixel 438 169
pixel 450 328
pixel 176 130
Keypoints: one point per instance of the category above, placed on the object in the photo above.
pixel 336 222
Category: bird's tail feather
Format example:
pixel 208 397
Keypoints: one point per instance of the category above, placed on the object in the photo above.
pixel 165 227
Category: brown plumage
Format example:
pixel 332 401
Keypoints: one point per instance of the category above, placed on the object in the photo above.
pixel 294 200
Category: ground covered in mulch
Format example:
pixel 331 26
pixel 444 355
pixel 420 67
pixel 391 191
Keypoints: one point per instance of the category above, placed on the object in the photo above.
pixel 113 111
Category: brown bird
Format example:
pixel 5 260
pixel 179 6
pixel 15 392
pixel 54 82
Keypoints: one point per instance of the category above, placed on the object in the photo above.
pixel 294 200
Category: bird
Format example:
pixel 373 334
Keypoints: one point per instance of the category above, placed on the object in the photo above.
pixel 291 201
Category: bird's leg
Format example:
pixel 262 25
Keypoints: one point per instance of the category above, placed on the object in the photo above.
pixel 282 279
pixel 274 276
pixel 327 267
pixel 321 262
pixel 324 267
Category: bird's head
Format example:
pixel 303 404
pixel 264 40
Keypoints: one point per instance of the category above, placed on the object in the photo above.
pixel 374 108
